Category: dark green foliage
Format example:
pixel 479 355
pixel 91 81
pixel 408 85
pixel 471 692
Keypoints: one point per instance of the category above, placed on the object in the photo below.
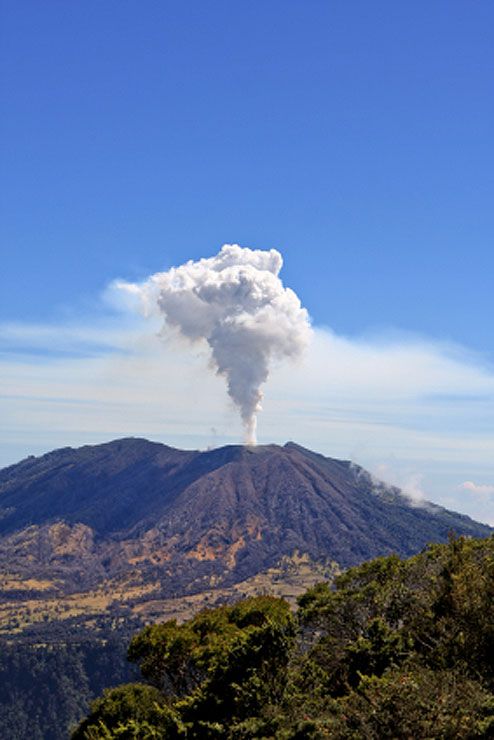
pixel 405 648
pixel 132 710
pixel 221 674
pixel 225 665
pixel 417 703
pixel 396 649
pixel 44 689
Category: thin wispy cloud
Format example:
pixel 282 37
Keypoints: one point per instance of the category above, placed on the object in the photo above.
pixel 479 489
pixel 414 412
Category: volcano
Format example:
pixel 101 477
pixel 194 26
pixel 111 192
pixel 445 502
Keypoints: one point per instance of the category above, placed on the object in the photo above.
pixel 144 513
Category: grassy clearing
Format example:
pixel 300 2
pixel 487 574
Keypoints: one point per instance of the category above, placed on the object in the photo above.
pixel 289 579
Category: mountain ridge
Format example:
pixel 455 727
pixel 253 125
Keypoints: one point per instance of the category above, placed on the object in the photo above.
pixel 136 477
pixel 130 521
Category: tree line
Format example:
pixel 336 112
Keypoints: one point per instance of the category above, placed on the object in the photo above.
pixel 393 649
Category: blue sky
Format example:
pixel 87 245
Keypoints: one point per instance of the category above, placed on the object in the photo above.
pixel 354 137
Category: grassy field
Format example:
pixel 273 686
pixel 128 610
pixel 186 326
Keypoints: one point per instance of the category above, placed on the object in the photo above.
pixel 28 603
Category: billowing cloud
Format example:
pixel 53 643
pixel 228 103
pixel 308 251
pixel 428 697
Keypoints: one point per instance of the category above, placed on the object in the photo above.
pixel 422 408
pixel 235 303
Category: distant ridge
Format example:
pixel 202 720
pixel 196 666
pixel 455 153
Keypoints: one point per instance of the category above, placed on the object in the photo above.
pixel 139 510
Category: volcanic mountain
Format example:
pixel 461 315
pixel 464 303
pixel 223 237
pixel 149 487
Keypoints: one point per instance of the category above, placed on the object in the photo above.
pixel 144 513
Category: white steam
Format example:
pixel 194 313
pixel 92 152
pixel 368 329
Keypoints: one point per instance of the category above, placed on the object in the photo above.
pixel 236 303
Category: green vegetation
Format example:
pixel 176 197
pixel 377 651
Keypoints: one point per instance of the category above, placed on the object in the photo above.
pixel 222 668
pixel 396 649
pixel 46 688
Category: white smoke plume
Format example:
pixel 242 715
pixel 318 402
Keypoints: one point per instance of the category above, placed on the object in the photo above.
pixel 237 304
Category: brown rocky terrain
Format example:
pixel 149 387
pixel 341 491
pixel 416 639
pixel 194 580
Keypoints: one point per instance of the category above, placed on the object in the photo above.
pixel 133 526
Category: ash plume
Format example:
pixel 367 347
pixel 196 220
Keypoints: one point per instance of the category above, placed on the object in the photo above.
pixel 236 303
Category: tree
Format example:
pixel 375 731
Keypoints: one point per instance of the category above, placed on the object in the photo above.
pixel 127 710
pixel 392 649
pixel 224 667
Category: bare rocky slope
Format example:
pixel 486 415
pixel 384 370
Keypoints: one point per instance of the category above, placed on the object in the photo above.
pixel 139 512
pixel 97 541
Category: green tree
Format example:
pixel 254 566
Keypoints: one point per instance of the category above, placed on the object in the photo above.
pixel 127 710
pixel 207 677
pixel 392 649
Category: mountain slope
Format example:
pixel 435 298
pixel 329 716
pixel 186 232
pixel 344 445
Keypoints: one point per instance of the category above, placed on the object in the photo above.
pixel 143 511
pixel 96 541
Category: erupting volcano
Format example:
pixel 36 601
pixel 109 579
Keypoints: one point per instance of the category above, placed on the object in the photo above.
pixel 236 303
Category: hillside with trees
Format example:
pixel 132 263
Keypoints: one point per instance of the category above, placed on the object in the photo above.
pixel 97 542
pixel 45 688
pixel 395 648
pixel 133 529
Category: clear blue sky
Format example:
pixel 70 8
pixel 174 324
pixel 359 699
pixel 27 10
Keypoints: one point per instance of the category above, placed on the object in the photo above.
pixel 356 137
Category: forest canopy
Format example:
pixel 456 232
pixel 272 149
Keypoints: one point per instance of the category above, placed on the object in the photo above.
pixel 394 648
